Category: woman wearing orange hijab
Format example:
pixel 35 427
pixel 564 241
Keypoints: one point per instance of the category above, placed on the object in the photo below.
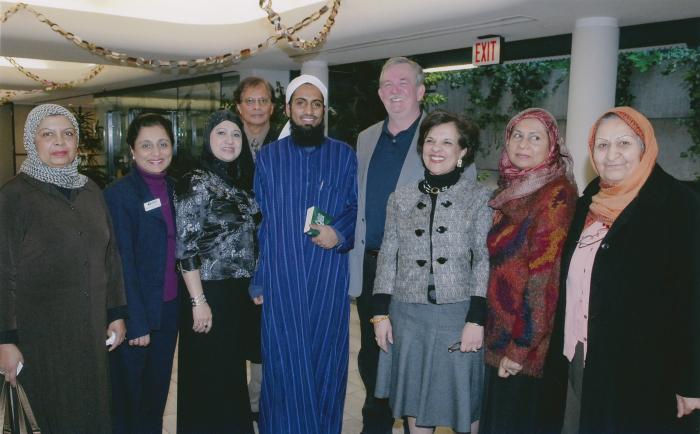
pixel 628 323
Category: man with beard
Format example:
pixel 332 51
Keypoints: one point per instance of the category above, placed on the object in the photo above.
pixel 302 281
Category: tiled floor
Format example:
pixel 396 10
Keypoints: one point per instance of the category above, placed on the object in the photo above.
pixel 352 419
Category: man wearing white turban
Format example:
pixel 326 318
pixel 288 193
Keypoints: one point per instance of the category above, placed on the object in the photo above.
pixel 303 279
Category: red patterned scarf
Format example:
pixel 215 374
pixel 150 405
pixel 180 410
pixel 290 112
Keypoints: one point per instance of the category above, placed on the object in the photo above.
pixel 515 183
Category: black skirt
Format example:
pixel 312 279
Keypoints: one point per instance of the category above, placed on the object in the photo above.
pixel 212 392
pixel 511 405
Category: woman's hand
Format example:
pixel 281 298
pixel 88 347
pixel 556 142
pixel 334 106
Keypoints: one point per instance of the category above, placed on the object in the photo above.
pixel 472 338
pixel 10 357
pixel 141 341
pixel 201 318
pixel 258 300
pixel 383 334
pixel 508 367
pixel 118 328
pixel 686 405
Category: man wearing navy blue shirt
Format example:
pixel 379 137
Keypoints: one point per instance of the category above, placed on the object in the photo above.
pixel 387 159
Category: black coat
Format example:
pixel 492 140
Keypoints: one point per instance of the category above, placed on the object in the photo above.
pixel 644 313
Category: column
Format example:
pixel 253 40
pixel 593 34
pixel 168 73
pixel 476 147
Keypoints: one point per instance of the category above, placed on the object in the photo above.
pixel 319 69
pixel 594 50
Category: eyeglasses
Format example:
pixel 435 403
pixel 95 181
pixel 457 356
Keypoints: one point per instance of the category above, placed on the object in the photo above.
pixel 250 102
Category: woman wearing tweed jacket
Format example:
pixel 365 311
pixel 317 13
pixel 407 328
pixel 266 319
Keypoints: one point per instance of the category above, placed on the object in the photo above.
pixel 432 274
pixel 533 207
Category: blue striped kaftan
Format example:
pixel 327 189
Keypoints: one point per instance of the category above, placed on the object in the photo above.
pixel 305 288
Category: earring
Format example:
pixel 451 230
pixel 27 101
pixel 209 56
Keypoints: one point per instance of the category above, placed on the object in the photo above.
pixel 459 163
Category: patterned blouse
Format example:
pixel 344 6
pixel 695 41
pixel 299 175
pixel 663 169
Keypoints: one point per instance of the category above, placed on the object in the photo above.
pixel 216 226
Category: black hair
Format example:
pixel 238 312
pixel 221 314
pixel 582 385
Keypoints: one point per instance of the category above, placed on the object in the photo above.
pixel 249 82
pixel 148 120
pixel 468 132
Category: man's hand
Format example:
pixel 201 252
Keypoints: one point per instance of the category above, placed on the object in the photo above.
pixel 327 238
pixel 686 405
pixel 258 300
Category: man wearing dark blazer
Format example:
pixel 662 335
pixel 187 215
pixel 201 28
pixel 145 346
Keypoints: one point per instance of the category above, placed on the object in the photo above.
pixel 387 159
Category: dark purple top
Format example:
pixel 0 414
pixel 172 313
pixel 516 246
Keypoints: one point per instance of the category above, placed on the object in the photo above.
pixel 158 186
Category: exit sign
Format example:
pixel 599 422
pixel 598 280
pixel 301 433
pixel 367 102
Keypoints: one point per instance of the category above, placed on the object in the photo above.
pixel 486 51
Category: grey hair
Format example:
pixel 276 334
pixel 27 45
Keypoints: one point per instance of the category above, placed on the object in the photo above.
pixel 417 69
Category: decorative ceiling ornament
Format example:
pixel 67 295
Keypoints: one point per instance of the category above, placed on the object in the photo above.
pixel 7 95
pixel 50 85
pixel 287 33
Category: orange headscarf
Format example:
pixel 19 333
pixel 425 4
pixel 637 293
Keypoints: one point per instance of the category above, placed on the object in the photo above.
pixel 609 202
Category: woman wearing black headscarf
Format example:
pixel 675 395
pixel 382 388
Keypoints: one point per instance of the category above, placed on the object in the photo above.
pixel 216 250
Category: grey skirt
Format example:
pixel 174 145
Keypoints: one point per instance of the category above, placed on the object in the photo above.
pixel 420 377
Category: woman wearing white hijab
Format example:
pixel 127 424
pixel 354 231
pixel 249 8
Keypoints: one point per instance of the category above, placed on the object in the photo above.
pixel 61 288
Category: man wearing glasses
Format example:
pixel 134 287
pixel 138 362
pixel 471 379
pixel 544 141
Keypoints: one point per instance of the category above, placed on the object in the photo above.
pixel 255 103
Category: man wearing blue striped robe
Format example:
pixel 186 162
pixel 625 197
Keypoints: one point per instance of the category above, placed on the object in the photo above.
pixel 302 281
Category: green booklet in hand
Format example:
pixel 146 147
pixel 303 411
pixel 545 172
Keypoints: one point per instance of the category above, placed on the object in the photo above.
pixel 314 216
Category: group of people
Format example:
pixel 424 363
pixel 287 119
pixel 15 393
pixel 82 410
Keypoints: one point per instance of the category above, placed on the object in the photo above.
pixel 476 307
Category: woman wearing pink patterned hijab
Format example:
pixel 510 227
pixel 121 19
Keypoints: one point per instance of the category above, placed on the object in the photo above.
pixel 533 207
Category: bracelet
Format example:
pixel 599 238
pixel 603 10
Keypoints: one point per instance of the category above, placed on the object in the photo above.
pixel 198 300
pixel 378 318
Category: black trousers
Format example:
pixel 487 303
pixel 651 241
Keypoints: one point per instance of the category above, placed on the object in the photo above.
pixel 212 391
pixel 376 414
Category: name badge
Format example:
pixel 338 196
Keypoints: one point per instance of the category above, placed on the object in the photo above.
pixel 151 204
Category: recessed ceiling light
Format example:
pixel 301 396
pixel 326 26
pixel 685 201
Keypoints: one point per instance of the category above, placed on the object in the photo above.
pixel 449 68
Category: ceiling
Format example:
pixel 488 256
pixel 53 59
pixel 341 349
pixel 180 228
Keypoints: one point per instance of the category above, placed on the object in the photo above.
pixel 364 30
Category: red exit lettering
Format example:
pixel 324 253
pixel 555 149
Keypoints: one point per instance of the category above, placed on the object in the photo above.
pixel 486 52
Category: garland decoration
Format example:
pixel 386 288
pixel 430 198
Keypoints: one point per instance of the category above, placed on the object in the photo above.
pixel 49 85
pixel 281 32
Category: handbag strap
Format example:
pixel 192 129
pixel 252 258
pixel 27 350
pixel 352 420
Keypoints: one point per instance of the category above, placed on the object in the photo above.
pixel 26 413
pixel 3 403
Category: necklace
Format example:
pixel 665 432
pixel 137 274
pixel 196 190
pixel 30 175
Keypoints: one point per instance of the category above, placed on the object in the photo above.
pixel 433 190
pixel 588 240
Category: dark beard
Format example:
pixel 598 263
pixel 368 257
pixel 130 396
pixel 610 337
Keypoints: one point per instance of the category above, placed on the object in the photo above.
pixel 307 136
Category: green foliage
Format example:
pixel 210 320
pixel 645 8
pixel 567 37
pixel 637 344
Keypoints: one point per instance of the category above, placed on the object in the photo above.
pixel 90 147
pixel 528 84
pixel 669 61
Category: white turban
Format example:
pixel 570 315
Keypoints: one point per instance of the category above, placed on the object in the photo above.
pixel 306 79
pixel 294 85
